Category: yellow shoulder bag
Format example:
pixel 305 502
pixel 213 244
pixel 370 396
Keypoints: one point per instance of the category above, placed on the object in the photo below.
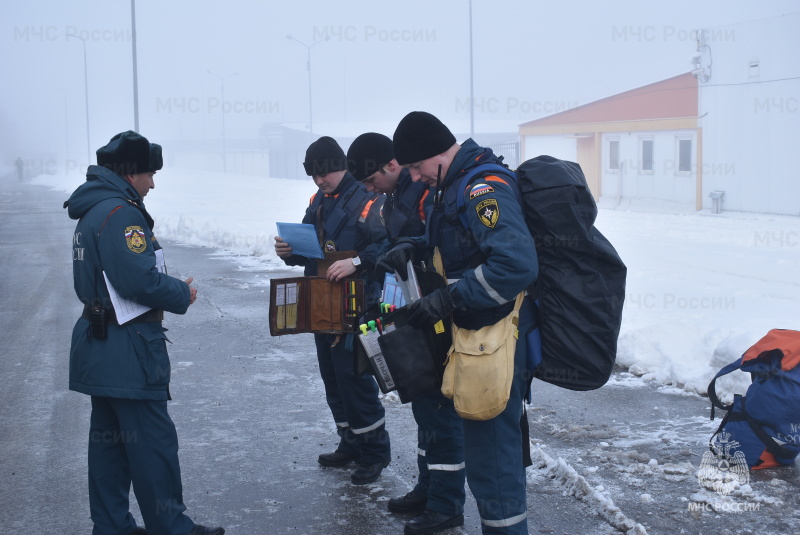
pixel 480 367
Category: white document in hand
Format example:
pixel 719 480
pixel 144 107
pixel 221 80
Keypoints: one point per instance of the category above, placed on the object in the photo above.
pixel 124 309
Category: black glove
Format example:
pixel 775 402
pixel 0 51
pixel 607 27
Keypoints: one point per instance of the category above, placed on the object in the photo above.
pixel 430 309
pixel 396 259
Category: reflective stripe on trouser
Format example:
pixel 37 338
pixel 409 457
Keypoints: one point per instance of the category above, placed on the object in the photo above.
pixel 440 443
pixel 352 399
pixel 134 441
pixel 493 450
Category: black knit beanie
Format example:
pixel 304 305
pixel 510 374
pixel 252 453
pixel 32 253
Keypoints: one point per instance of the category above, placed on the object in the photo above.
pixel 127 153
pixel 324 156
pixel 420 136
pixel 367 154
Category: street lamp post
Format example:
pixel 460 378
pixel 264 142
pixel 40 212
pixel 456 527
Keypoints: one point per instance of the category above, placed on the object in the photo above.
pixel 135 69
pixel 308 67
pixel 471 93
pixel 222 96
pixel 86 90
pixel 66 127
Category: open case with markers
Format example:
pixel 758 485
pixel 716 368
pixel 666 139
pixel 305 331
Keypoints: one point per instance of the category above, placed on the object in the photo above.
pixel 314 305
pixel 401 357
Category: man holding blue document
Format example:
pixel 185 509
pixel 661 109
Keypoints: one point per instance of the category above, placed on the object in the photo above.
pixel 347 218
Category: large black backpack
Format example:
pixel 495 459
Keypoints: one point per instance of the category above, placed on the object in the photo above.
pixel 581 283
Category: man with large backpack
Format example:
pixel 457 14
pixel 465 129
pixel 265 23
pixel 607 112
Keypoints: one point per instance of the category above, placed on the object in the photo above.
pixel 438 497
pixel 487 266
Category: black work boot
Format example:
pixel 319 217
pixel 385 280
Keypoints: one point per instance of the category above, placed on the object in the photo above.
pixel 410 503
pixel 430 522
pixel 202 530
pixel 367 473
pixel 337 458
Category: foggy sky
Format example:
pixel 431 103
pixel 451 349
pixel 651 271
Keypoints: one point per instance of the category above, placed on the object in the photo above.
pixel 380 61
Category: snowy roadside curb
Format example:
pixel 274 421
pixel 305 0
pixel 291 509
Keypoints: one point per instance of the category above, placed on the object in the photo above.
pixel 576 485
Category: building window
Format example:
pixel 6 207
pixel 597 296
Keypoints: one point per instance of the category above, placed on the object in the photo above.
pixel 684 155
pixel 646 155
pixel 613 154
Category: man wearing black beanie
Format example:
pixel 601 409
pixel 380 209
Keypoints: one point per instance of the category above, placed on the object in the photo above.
pixel 371 161
pixel 489 259
pixel 348 220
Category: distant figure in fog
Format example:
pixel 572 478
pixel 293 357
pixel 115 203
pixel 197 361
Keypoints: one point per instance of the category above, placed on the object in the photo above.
pixel 20 168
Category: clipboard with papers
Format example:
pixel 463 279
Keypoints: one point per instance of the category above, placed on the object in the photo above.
pixel 302 237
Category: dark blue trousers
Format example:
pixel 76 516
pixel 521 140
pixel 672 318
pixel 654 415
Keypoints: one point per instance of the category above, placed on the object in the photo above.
pixel 493 451
pixel 134 441
pixel 353 401
pixel 440 453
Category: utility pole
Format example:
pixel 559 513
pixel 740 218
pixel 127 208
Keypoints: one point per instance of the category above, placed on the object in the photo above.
pixel 222 96
pixel 135 69
pixel 86 91
pixel 308 66
pixel 471 94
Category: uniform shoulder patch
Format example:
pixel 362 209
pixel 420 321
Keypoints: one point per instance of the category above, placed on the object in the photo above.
pixel 488 212
pixel 480 189
pixel 135 238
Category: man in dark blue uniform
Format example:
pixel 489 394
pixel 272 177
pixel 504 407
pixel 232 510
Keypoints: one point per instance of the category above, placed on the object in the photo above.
pixel 125 368
pixel 371 161
pixel 487 266
pixel 439 493
pixel 348 217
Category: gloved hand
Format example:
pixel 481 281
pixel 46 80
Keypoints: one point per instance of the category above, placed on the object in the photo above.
pixel 430 309
pixel 396 259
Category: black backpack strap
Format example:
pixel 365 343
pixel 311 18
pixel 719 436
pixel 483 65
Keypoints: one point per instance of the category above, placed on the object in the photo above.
pixel 730 417
pixel 712 387
pixel 526 438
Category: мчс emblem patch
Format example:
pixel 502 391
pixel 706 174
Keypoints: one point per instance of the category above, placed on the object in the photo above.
pixel 330 247
pixel 134 236
pixel 480 189
pixel 488 212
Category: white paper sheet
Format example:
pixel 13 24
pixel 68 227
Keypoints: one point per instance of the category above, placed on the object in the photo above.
pixel 124 309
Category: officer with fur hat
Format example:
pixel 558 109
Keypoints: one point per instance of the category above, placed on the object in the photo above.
pixel 125 367
pixel 440 440
pixel 348 217
pixel 487 266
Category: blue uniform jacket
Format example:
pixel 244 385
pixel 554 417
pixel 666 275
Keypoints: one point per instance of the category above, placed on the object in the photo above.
pixel 351 222
pixel 495 259
pixel 401 212
pixel 114 235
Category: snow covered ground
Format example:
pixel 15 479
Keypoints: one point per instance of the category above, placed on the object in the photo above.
pixel 701 288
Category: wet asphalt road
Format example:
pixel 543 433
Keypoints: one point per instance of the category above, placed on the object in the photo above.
pixel 251 418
